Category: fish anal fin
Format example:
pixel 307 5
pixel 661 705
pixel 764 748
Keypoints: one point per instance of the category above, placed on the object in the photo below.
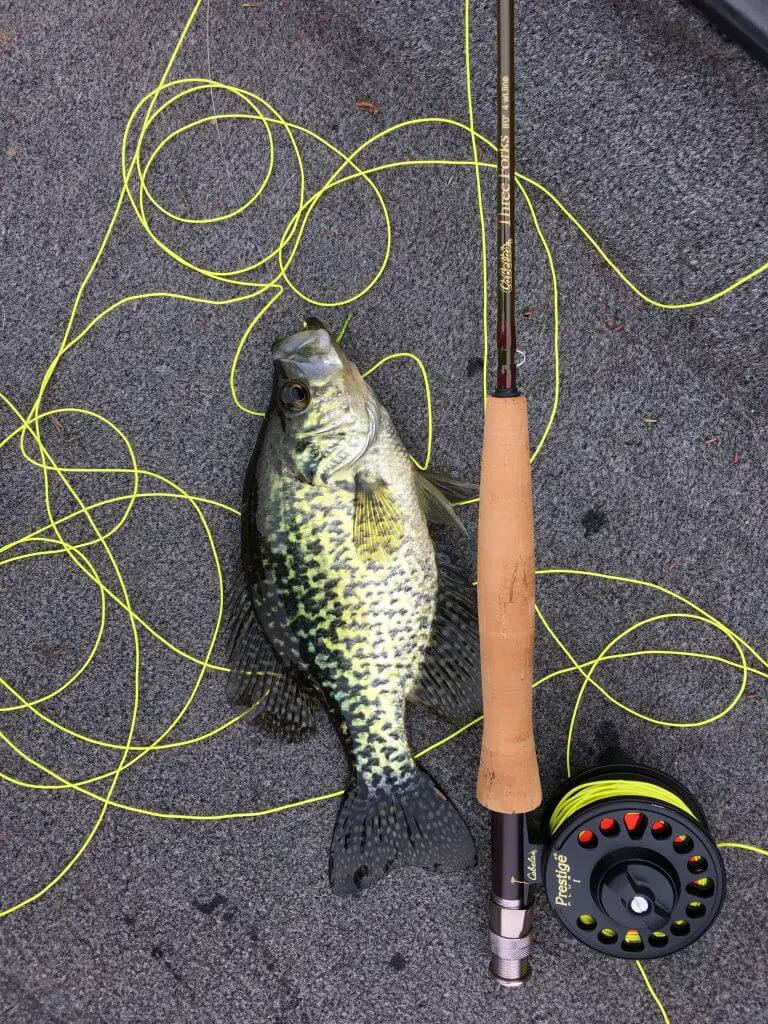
pixel 378 527
pixel 450 680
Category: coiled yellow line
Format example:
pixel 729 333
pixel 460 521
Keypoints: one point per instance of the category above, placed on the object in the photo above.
pixel 587 793
pixel 261 285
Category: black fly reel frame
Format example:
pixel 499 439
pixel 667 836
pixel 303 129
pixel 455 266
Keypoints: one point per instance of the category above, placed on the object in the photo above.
pixel 626 861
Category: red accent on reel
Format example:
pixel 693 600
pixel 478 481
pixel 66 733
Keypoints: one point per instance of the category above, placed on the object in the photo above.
pixel 634 823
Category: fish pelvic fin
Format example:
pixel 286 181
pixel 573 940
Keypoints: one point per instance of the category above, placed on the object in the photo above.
pixel 450 679
pixel 405 822
pixel 282 701
pixel 378 527
pixel 437 494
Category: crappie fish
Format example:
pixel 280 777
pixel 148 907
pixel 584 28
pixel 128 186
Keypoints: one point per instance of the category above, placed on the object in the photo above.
pixel 341 600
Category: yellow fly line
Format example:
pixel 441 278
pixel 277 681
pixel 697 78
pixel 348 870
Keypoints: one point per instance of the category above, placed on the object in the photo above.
pixel 588 793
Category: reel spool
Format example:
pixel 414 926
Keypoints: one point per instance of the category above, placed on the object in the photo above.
pixel 628 865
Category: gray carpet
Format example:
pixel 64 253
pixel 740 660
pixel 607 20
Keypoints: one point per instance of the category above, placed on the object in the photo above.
pixel 651 128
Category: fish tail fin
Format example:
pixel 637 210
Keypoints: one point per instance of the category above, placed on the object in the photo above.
pixel 407 821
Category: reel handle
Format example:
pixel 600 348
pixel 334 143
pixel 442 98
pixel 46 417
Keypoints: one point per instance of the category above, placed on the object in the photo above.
pixel 508 779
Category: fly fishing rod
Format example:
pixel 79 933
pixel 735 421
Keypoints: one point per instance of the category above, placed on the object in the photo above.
pixel 623 851
pixel 508 779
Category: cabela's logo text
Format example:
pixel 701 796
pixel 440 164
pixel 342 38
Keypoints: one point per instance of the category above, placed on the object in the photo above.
pixel 505 266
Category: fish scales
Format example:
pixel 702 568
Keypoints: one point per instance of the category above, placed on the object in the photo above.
pixel 361 629
pixel 339 597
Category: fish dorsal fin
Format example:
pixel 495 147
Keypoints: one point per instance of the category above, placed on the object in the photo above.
pixel 450 680
pixel 436 492
pixel 378 528
pixel 283 699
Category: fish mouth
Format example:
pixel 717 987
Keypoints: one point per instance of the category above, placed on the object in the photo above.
pixel 309 352
pixel 311 356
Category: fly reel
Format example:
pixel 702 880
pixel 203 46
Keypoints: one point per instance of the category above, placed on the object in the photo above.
pixel 627 862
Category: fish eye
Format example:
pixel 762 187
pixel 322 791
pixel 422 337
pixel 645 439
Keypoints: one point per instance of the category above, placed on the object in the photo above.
pixel 294 395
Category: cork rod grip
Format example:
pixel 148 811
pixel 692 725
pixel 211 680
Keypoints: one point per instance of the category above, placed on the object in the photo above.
pixel 508 779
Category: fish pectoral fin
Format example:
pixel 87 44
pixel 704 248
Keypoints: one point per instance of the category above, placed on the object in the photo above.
pixel 407 821
pixel 450 679
pixel 282 698
pixel 378 527
pixel 437 492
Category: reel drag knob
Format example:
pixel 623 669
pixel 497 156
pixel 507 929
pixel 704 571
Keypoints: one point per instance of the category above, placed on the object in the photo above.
pixel 637 892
